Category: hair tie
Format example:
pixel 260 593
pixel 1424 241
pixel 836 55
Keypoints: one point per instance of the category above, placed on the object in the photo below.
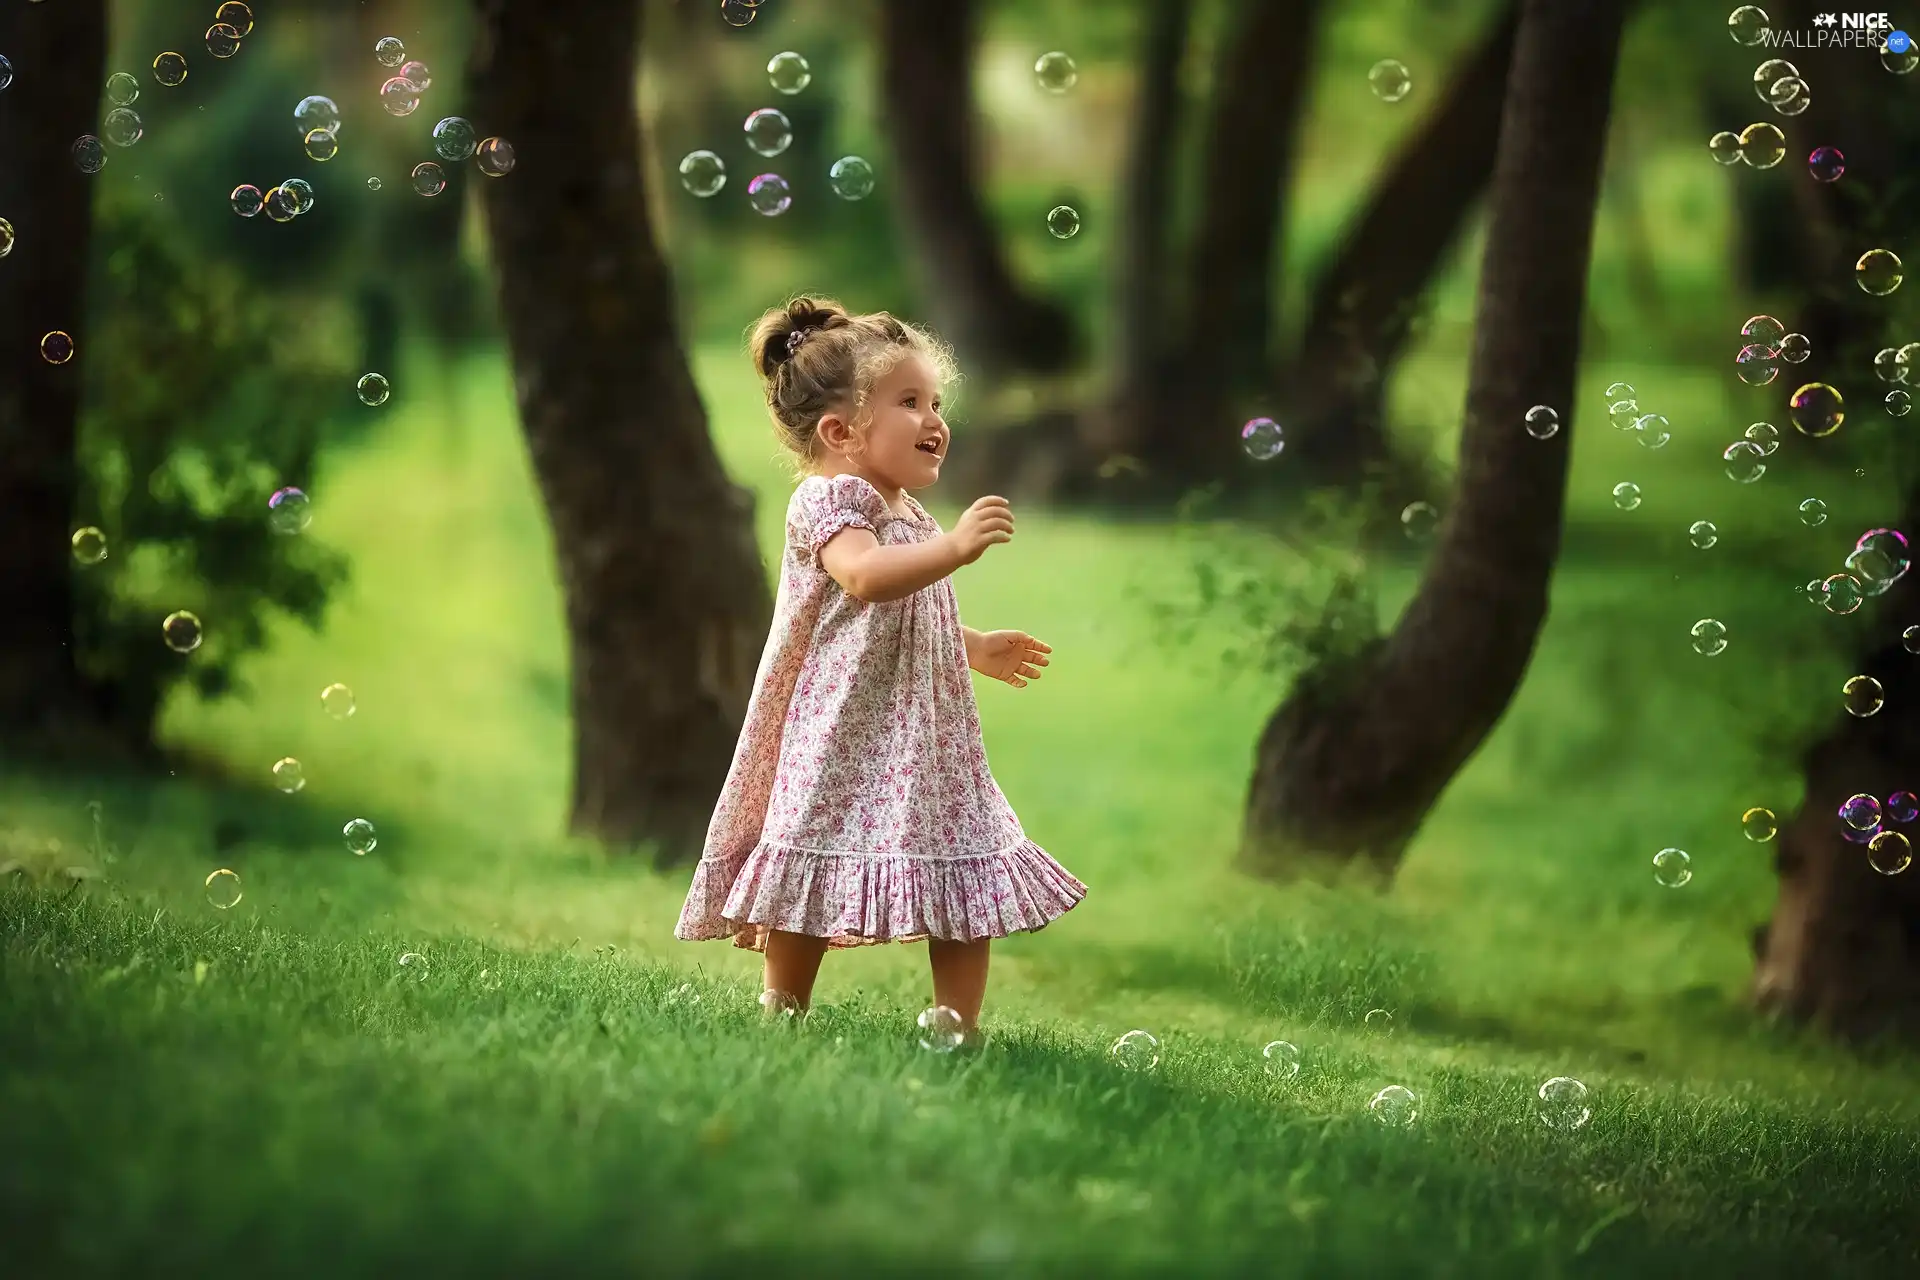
pixel 794 340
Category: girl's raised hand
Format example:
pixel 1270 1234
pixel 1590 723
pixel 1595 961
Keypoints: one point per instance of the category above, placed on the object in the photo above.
pixel 986 522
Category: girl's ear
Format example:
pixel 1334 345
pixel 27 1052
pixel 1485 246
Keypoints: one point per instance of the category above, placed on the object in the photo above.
pixel 834 432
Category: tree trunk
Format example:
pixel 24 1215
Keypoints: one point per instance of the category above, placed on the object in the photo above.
pixel 666 598
pixel 58 53
pixel 1352 760
pixel 1364 302
pixel 926 86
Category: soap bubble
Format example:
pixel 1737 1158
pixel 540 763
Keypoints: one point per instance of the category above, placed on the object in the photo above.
pixel 851 178
pixel 1903 807
pixel 415 73
pixel 1626 495
pixel 390 51
pixel 1418 520
pixel 1389 80
pixel 737 13
pixel 702 173
pixel 1889 853
pixel 454 139
pixel 1763 330
pixel 222 40
pixel 1262 439
pixel 1703 534
pixel 1624 414
pixel 170 69
pixel 1759 824
pixel 1563 1103
pixel 337 701
pixel 942 1030
pixel 56 347
pixel 281 204
pixel 288 775
pixel 1879 272
pixel 1542 422
pixel 1817 409
pixel 769 195
pixel 373 389
pixel 1063 221
pixel 1899 403
pixel 1900 63
pixel 400 96
pixel 1282 1060
pixel 1862 696
pixel 237 15
pixel 89 545
pixel 1748 25
pixel 89 154
pixel 1889 367
pixel 1651 431
pixel 360 837
pixel 1619 391
pixel 1136 1051
pixel 789 72
pixel 1789 95
pixel 181 631
pixel 1813 513
pixel 413 965
pixel 322 146
pixel 122 89
pixel 1843 594
pixel 1861 812
pixel 1709 636
pixel 1055 72
pixel 1672 868
pixel 1757 365
pixel 1763 145
pixel 302 193
pixel 1795 347
pixel 1910 638
pixel 1724 147
pixel 1395 1106
pixel 1826 164
pixel 316 111
pixel 429 179
pixel 287 511
pixel 494 157
pixel 1764 434
pixel 223 890
pixel 768 131
pixel 1379 1021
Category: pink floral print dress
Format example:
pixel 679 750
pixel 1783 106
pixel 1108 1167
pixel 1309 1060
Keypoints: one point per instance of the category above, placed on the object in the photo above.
pixel 859 807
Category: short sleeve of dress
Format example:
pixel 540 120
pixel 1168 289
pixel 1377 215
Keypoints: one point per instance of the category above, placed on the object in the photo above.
pixel 822 507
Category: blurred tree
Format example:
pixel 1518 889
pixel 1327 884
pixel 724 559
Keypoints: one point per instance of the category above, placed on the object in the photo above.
pixel 926 83
pixel 666 599
pixel 1842 949
pixel 1351 762
pixel 58 54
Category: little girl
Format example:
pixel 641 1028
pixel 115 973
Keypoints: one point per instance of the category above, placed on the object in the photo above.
pixel 859 807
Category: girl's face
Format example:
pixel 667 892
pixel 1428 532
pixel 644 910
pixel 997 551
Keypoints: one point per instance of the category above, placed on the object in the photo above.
pixel 906 438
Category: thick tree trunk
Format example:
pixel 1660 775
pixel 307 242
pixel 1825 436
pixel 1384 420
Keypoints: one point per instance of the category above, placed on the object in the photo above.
pixel 58 53
pixel 926 85
pixel 1351 762
pixel 1364 302
pixel 666 598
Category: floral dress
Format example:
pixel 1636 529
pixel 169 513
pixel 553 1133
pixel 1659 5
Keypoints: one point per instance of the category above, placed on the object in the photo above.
pixel 859 807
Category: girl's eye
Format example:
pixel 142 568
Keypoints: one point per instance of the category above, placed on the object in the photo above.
pixel 908 402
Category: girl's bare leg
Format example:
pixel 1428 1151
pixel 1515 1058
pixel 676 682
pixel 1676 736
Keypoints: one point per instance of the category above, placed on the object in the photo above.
pixel 960 976
pixel 792 963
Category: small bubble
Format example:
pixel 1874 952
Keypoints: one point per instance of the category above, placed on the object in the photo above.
pixel 1763 145
pixel 1262 439
pixel 1626 495
pixel 1744 461
pixel 738 13
pixel 1055 72
pixel 360 837
pixel 1813 513
pixel 288 511
pixel 373 184
pixel 1724 146
pixel 1826 164
pixel 1543 423
pixel 1899 403
pixel 1757 365
pixel 1379 1021
pixel 429 179
pixel 1390 80
pixel 1759 824
pixel 316 111
pixel 222 40
pixel 1418 520
pixel 389 51
pixel 1619 391
pixel 769 195
pixel 122 89
pixel 56 347
pixel 1842 594
pixel 1860 812
pixel 768 131
pixel 1624 414
pixel 170 69
pixel 1281 1060
pixel 454 139
pixel 300 191
pixel 1136 1051
pixel 288 775
pixel 400 96
pixel 89 154
pixel 1789 95
pixel 1063 221
pixel 413 965
pixel 1563 1104
pixel 89 545
pixel 236 15
pixel 1879 272
pixel 415 73
pixel 1672 868
pixel 1395 1106
pixel 1888 367
pixel 1748 25
pixel 1909 638
pixel 1709 637
pixel 1889 853
pixel 373 389
pixel 1703 534
pixel 1651 432
pixel 1764 434
pixel 851 178
pixel 1763 330
pixel 1903 807
pixel 181 631
pixel 1863 696
pixel 322 146
pixel 494 157
pixel 223 889
pixel 702 173
pixel 788 72
pixel 246 200
pixel 1795 348
pixel 337 701
pixel 942 1030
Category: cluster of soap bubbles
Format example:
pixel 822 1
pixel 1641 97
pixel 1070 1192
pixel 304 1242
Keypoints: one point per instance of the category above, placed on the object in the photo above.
pixel 1879 558
pixel 283 203
pixel 769 133
pixel 1764 345
pixel 1865 820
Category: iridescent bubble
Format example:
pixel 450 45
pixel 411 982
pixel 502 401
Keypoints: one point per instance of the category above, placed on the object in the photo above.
pixel 1136 1051
pixel 768 131
pixel 1789 95
pixel 1764 434
pixel 316 111
pixel 1543 423
pixel 1672 868
pixel 181 631
pixel 1899 403
pixel 322 146
pixel 1906 361
pixel 1859 837
pixel 1063 221
pixel 737 13
pixel 429 179
pixel 360 837
pixel 373 389
pixel 1624 413
pixel 1759 824
pixel 851 178
pixel 1395 1106
pixel 1763 145
pixel 1815 591
pixel 1418 520
pixel 1860 812
pixel 1651 431
pixel 1889 853
pixel 1910 638
pixel 1875 569
pixel 1842 594
pixel 1281 1060
pixel 1626 495
pixel 454 139
pixel 223 890
pixel 1563 1104
pixel 702 173
pixel 1262 439
pixel 170 69
pixel 942 1030
pixel 415 73
pixel 236 15
pixel 1724 146
pixel 400 96
pixel 56 347
pixel 122 89
pixel 1826 164
pixel 1748 25
pixel 288 511
pixel 413 966
pixel 302 193
pixel 1703 534
pixel 1709 637
pixel 1055 72
pixel 281 204
pixel 337 701
pixel 222 40
pixel 89 545
pixel 288 775
pixel 1903 807
pixel 1813 513
pixel 1817 409
pixel 789 72
pixel 1763 330
pixel 1795 347
pixel 6 71
pixel 1862 696
pixel 89 154
pixel 1879 272
pixel 1757 365
pixel 494 157
pixel 390 51
pixel 1744 461
pixel 769 195
pixel 1888 367
pixel 1390 80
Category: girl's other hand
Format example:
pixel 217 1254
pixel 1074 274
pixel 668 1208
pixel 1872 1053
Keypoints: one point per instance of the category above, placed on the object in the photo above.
pixel 986 522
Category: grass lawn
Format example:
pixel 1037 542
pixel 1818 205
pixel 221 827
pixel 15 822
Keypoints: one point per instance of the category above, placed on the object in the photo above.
pixel 187 1090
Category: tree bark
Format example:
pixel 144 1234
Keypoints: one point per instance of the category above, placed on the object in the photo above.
pixel 1350 763
pixel 58 53
pixel 666 598
pixel 1364 302
pixel 926 85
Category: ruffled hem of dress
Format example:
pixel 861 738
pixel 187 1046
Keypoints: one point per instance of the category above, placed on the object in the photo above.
pixel 860 899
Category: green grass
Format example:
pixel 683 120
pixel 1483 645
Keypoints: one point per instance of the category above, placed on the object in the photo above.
pixel 187 1090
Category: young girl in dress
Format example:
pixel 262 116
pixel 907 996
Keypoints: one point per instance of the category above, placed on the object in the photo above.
pixel 859 807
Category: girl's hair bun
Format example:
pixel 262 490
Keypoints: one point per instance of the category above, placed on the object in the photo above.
pixel 783 331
